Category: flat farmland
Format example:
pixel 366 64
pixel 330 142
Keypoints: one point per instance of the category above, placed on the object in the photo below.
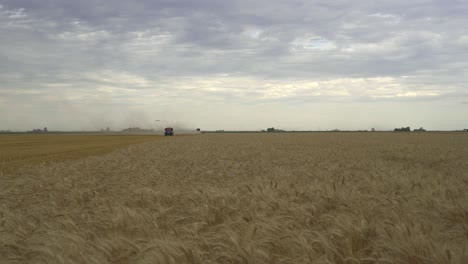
pixel 19 150
pixel 245 198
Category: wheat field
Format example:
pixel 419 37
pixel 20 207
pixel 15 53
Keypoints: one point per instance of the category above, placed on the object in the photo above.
pixel 246 198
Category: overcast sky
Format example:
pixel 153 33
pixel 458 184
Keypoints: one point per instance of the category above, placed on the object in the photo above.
pixel 238 64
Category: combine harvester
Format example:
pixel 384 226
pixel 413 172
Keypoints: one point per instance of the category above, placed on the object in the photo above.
pixel 168 131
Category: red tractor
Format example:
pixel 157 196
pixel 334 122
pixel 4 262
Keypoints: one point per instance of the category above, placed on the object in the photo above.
pixel 168 131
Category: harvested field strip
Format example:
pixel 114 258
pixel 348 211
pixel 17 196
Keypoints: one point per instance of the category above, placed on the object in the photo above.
pixel 17 151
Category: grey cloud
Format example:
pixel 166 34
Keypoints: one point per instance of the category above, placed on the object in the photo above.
pixel 208 27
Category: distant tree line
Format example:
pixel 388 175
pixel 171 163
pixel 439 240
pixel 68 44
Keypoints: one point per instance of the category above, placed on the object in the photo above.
pixel 40 130
pixel 272 129
pixel 402 129
pixel 408 129
pixel 107 130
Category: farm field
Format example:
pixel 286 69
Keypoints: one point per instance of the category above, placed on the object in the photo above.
pixel 246 198
pixel 19 150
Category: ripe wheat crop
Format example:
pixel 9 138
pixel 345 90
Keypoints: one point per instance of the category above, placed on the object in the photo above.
pixel 246 198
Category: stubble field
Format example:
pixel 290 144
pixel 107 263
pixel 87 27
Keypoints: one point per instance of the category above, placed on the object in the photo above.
pixel 246 198
pixel 20 150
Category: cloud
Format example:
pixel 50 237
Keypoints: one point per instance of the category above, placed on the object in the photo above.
pixel 183 55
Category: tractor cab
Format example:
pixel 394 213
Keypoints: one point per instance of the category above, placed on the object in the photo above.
pixel 168 131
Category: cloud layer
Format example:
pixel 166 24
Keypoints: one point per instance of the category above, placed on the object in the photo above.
pixel 233 65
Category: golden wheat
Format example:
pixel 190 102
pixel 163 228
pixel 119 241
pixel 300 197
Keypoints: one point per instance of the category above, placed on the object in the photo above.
pixel 246 198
